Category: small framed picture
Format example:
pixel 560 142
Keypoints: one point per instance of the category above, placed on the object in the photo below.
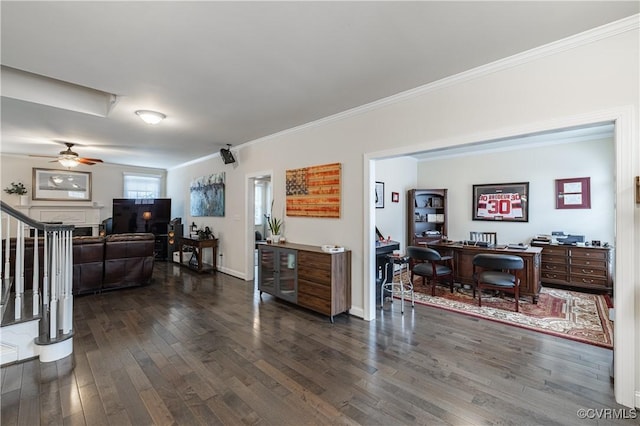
pixel 574 193
pixel 379 195
pixel 395 197
pixel 61 185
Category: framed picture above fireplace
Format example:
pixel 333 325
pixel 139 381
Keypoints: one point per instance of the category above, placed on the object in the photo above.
pixel 61 185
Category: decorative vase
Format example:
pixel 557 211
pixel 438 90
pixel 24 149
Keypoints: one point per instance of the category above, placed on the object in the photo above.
pixel 24 200
pixel 275 238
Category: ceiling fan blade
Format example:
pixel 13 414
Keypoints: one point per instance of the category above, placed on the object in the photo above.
pixel 43 156
pixel 87 161
pixel 95 160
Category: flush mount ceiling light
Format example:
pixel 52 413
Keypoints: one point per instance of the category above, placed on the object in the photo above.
pixel 150 117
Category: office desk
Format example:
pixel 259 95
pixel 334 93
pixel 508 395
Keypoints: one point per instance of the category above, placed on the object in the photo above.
pixel 463 264
pixel 198 246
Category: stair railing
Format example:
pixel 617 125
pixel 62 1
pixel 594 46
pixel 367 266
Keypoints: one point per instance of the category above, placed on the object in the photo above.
pixel 52 298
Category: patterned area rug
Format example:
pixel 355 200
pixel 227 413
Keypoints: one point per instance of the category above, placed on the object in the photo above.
pixel 577 316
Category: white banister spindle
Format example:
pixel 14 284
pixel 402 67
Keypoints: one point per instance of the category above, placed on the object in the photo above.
pixel 19 270
pixel 53 307
pixel 7 252
pixel 67 319
pixel 45 269
pixel 36 274
pixel 2 281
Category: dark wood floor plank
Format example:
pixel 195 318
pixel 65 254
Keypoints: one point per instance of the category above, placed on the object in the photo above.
pixel 13 378
pixel 29 411
pixel 9 407
pixel 114 410
pixel 207 349
pixel 92 407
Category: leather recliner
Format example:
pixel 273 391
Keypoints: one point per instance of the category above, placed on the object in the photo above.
pixel 88 264
pixel 128 260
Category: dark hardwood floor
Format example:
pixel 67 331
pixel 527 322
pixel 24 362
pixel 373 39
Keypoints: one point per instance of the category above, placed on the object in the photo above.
pixel 205 349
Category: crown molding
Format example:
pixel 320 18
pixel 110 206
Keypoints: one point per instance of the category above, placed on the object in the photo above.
pixel 612 29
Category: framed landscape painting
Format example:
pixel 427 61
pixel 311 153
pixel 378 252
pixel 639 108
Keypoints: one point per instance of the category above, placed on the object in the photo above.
pixel 61 185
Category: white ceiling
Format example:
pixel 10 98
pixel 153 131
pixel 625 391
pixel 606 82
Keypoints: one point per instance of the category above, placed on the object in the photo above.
pixel 232 72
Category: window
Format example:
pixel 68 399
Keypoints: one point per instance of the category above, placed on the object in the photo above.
pixel 142 186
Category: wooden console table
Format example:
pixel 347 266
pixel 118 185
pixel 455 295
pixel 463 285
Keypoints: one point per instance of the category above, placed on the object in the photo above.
pixel 198 246
pixel 463 264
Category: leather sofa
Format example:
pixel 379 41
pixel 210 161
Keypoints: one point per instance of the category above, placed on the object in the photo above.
pixel 88 264
pixel 99 263
pixel 128 260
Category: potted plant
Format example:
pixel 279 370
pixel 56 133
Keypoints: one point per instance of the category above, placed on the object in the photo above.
pixel 19 189
pixel 275 225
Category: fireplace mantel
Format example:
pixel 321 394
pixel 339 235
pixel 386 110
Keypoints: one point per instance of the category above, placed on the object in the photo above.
pixel 77 215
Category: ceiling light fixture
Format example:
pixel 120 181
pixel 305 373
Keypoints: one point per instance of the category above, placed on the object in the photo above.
pixel 151 117
pixel 68 161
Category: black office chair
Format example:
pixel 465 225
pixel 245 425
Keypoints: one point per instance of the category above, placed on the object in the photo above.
pixel 497 272
pixel 431 266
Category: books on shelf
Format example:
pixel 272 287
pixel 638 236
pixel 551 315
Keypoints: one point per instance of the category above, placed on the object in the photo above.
pixel 435 218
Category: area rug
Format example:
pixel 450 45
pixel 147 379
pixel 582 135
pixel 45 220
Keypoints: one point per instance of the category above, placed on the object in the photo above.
pixel 582 317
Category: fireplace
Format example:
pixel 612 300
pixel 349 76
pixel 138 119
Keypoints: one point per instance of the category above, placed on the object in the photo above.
pixel 86 218
pixel 82 231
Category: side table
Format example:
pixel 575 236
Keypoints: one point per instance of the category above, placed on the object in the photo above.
pixel 198 246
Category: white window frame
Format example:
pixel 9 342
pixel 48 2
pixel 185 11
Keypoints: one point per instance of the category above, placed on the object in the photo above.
pixel 142 185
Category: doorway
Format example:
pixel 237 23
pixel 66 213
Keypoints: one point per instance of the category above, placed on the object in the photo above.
pixel 259 196
pixel 624 326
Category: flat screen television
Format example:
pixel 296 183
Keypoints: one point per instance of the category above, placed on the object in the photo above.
pixel 141 215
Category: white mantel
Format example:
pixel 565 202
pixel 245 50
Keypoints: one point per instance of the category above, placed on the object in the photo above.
pixel 77 215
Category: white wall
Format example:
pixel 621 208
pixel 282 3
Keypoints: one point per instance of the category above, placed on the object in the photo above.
pixel 106 180
pixel 399 175
pixel 539 166
pixel 527 94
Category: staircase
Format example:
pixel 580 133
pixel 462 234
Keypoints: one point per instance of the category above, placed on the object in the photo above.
pixel 36 301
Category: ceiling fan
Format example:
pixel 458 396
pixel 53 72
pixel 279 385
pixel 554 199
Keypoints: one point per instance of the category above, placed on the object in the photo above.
pixel 68 158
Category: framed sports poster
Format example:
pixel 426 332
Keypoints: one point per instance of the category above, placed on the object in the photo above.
pixel 506 202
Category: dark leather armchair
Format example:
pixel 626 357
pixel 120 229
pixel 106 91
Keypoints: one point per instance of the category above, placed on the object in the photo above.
pixel 497 272
pixel 431 266
pixel 128 259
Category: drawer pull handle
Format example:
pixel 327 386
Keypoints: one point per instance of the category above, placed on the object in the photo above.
pixel 590 271
pixel 584 280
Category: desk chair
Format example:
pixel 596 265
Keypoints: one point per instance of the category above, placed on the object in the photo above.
pixel 427 263
pixel 487 237
pixel 497 272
